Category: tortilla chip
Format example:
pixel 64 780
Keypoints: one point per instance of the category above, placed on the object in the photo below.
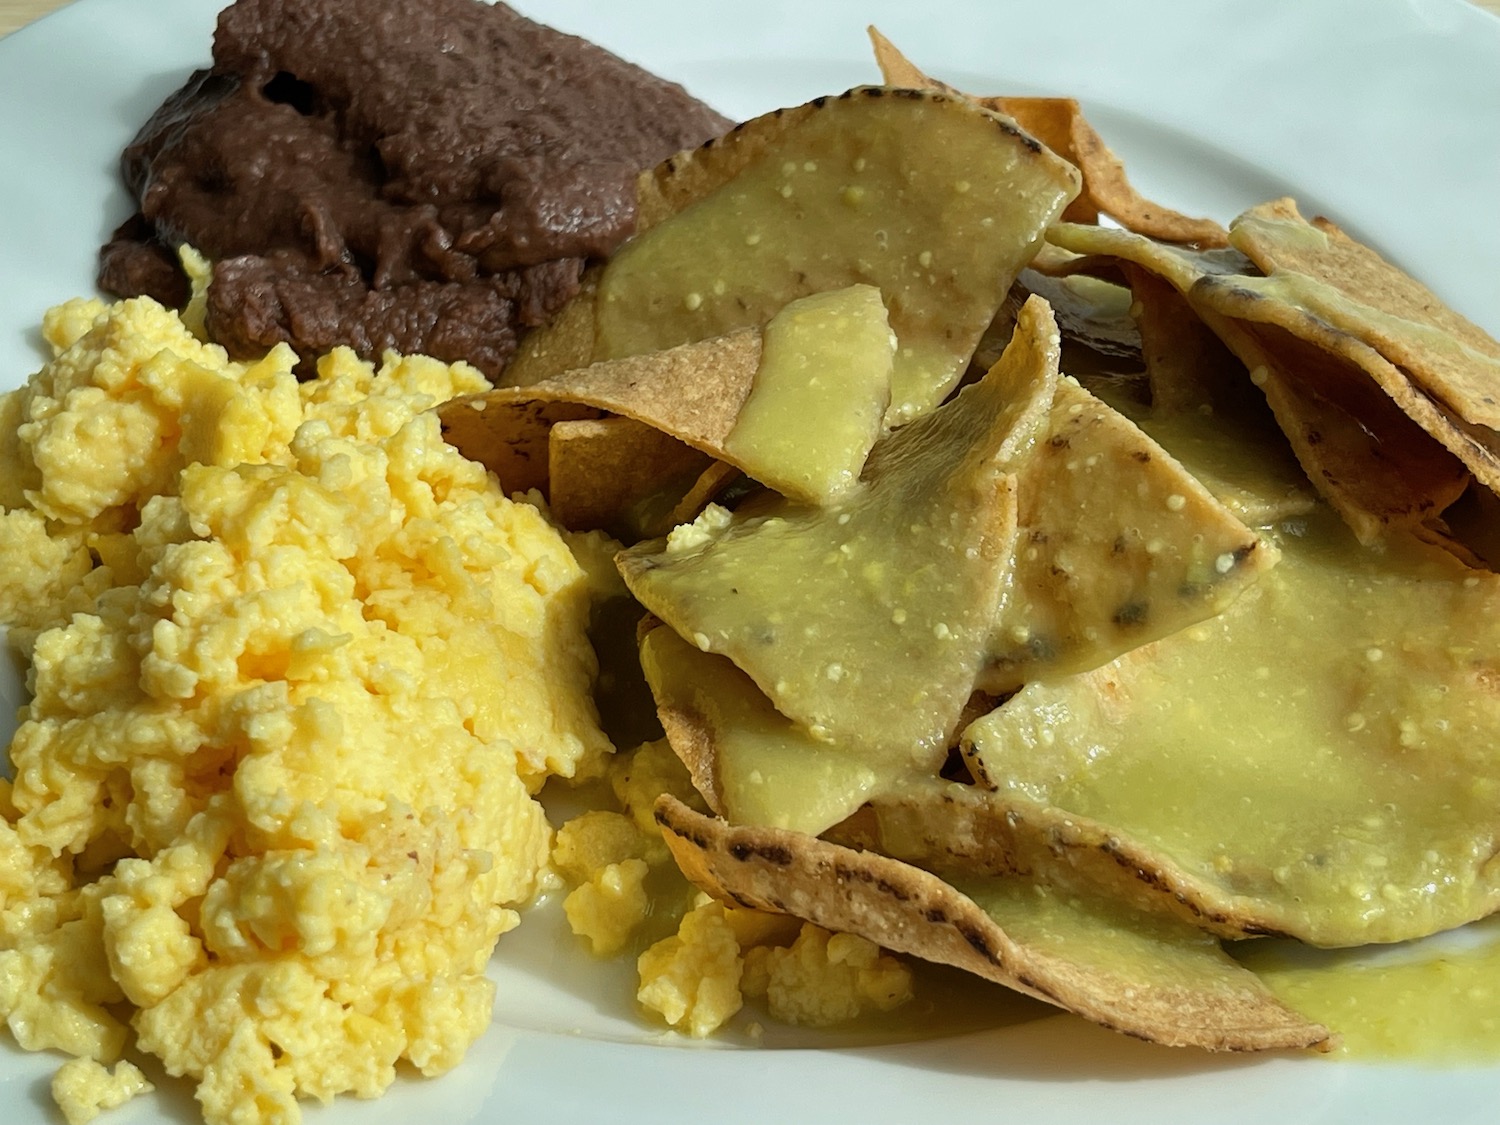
pixel 617 474
pixel 1060 125
pixel 1377 468
pixel 1100 342
pixel 1118 545
pixel 1473 522
pixel 1148 977
pixel 1385 472
pixel 1267 302
pixel 820 395
pixel 692 393
pixel 510 443
pixel 751 763
pixel 1243 458
pixel 828 611
pixel 1188 366
pixel 841 190
pixel 1319 760
pixel 1089 311
pixel 797 405
pixel 691 729
pixel 1451 358
pixel 947 826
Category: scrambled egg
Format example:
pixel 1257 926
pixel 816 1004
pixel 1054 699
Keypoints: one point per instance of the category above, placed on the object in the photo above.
pixel 84 1088
pixel 297 669
pixel 692 979
pixel 825 978
pixel 698 978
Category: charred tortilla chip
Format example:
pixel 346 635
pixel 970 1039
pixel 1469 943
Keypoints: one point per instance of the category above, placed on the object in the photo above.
pixel 948 826
pixel 1117 545
pixel 1060 125
pixel 853 189
pixel 1381 472
pixel 1383 303
pixel 1281 318
pixel 1151 977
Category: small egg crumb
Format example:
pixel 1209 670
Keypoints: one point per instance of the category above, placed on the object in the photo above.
pixel 598 838
pixel 692 979
pixel 639 777
pixel 825 978
pixel 607 909
pixel 84 1088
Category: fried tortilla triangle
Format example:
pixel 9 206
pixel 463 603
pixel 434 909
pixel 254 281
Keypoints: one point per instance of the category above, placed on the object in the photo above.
pixel 751 763
pixel 796 405
pixel 1320 760
pixel 1372 463
pixel 935 201
pixel 1118 545
pixel 1358 292
pixel 1340 298
pixel 1148 976
pixel 692 394
pixel 1060 125
pixel 830 609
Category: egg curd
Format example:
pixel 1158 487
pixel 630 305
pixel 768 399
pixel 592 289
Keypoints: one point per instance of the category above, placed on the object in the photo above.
pixel 297 669
pixel 697 977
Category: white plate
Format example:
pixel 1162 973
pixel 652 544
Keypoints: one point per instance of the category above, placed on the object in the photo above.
pixel 1384 116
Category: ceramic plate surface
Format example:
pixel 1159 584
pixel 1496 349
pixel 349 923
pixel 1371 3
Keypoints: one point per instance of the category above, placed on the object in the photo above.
pixel 1383 115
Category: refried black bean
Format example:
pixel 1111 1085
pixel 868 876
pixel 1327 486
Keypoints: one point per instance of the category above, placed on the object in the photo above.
pixel 424 175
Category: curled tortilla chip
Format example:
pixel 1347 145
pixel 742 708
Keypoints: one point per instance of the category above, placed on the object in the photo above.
pixel 1323 287
pixel 1381 471
pixel 692 393
pixel 1150 977
pixel 1060 125
pixel 1453 359
pixel 1385 471
pixel 617 474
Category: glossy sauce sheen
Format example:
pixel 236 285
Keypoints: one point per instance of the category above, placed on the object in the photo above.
pixel 1438 1005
